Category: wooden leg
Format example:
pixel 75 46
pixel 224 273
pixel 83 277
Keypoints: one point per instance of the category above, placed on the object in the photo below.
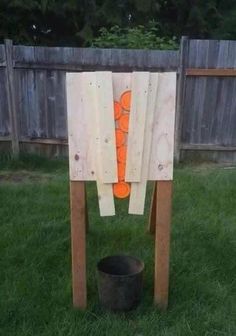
pixel 86 212
pixel 78 243
pixel 152 217
pixel 162 243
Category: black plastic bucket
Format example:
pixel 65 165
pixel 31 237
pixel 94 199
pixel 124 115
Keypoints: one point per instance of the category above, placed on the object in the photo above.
pixel 120 282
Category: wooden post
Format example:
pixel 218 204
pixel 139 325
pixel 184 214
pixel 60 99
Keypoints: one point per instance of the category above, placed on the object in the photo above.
pixel 11 97
pixel 162 243
pixel 78 243
pixel 152 215
pixel 183 57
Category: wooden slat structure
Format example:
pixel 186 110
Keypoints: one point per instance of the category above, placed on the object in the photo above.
pixel 93 156
pixel 205 96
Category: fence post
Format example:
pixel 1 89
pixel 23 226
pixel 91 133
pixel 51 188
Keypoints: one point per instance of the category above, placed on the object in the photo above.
pixel 11 97
pixel 183 55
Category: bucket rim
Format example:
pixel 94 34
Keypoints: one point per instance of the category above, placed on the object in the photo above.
pixel 142 266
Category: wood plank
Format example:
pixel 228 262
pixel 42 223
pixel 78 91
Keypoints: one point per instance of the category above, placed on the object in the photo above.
pixel 162 243
pixel 152 212
pixel 162 149
pixel 93 59
pixel 138 190
pixel 4 113
pixel 106 127
pixel 11 98
pixel 207 147
pixel 95 126
pixel 211 72
pixel 80 136
pixel 184 44
pixel 139 87
pixel 78 243
pixel 121 82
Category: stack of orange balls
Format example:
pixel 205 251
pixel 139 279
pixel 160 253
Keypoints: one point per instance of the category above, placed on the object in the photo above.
pixel 121 189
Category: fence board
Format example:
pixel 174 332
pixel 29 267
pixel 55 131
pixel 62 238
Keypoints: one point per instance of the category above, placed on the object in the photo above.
pixel 90 58
pixel 209 103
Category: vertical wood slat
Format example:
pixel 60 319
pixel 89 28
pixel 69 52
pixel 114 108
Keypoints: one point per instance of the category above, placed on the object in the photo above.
pixel 137 120
pixel 162 243
pixel 179 99
pixel 100 96
pixel 11 97
pixel 162 145
pixel 78 243
pixel 138 190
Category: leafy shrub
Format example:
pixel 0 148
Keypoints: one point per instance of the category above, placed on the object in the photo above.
pixel 139 37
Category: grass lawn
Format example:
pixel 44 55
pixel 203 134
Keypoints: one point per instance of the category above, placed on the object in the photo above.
pixel 35 278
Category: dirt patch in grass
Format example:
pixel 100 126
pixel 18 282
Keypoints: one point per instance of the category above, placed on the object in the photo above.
pixel 22 176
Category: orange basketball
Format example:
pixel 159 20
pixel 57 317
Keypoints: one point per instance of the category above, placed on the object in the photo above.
pixel 120 138
pixel 117 110
pixel 121 189
pixel 125 100
pixel 121 171
pixel 124 122
pixel 121 154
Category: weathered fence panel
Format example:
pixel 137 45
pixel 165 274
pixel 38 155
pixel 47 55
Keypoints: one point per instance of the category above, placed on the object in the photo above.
pixel 39 82
pixel 209 108
pixel 77 59
pixel 206 103
pixel 4 115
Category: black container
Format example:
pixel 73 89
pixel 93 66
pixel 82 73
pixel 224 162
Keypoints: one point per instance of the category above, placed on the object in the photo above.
pixel 120 282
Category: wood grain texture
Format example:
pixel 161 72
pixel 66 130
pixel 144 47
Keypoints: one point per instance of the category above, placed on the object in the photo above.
pixel 138 190
pixel 80 133
pixel 78 243
pixel 40 75
pixel 91 128
pixel 10 90
pixel 93 59
pixel 104 134
pixel 162 148
pixel 162 243
pixel 121 82
pixel 153 212
pixel 211 72
pixel 139 103
pixel 209 101
pixel 105 126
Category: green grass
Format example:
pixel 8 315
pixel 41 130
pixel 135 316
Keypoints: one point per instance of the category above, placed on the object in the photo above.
pixel 35 278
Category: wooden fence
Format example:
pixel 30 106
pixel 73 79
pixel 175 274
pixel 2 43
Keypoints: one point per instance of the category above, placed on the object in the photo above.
pixel 33 101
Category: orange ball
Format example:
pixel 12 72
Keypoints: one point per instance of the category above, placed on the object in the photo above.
pixel 117 110
pixel 120 138
pixel 125 100
pixel 121 171
pixel 121 189
pixel 121 154
pixel 124 122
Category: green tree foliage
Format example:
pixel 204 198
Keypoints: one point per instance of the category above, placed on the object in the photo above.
pixel 79 22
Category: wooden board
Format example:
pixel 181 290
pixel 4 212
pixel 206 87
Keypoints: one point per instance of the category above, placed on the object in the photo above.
pixel 91 128
pixel 105 127
pixel 138 190
pixel 211 72
pixel 81 152
pixel 161 162
pixel 139 87
pixel 121 82
pixel 78 243
pixel 96 124
pixel 162 243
